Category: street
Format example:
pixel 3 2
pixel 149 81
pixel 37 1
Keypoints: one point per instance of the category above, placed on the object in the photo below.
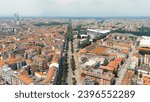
pixel 69 64
pixel 124 68
pixel 78 68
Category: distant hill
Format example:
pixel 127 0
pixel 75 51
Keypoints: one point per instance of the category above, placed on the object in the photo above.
pixel 49 24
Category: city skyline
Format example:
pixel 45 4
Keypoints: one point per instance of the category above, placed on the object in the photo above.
pixel 74 50
pixel 75 8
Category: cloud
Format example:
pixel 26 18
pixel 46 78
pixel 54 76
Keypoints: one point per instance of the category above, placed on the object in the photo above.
pixel 75 7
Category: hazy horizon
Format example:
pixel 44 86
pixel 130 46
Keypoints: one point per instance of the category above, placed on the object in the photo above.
pixel 75 8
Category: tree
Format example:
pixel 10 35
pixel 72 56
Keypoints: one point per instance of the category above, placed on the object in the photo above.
pixel 143 52
pixel 115 73
pixel 96 83
pixel 140 75
pixel 88 38
pixel 78 36
pixel 44 65
pixel 143 31
pixel 39 51
pixel 85 43
pixel 105 70
pixel 82 75
pixel 105 63
pixel 74 81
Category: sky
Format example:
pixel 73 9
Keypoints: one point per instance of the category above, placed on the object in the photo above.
pixel 77 8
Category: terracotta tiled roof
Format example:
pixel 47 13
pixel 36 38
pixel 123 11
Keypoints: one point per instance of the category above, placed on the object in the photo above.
pixel 2 63
pixel 40 73
pixel 124 51
pixel 123 45
pixel 112 54
pixel 25 79
pixel 99 50
pixel 106 67
pixel 3 50
pixel 145 49
pixel 136 55
pixel 119 59
pixel 146 80
pixel 113 65
pixel 83 51
pixel 127 77
pixel 22 71
pixel 55 59
pixel 12 60
pixel 41 59
pixel 50 74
